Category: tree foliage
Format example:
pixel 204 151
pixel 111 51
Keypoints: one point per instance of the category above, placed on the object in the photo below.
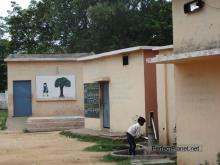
pixel 4 50
pixel 83 26
pixel 66 26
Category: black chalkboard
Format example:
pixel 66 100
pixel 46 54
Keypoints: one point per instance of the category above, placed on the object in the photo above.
pixel 91 100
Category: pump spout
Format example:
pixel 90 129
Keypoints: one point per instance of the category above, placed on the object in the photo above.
pixel 152 135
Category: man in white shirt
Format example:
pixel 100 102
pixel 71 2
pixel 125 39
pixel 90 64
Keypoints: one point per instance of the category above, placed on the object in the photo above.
pixel 133 132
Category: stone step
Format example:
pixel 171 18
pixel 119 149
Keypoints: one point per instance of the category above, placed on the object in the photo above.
pixel 75 126
pixel 37 124
pixel 56 118
pixel 49 129
pixel 51 124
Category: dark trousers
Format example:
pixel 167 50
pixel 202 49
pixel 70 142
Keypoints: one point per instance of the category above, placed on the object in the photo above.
pixel 132 144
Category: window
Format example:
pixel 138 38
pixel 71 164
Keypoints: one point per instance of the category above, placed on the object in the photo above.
pixel 125 60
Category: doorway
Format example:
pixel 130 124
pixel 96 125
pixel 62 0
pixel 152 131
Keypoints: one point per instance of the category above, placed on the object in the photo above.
pixel 22 98
pixel 105 104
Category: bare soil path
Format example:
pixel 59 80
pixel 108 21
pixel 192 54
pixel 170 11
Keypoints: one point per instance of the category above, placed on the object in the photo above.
pixel 45 149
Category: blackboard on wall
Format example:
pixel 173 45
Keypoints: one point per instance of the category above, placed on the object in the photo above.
pixel 91 100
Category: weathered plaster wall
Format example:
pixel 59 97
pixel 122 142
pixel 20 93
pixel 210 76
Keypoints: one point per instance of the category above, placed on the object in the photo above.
pixel 126 89
pixel 166 103
pixel 196 31
pixel 29 70
pixel 198 102
pixel 166 100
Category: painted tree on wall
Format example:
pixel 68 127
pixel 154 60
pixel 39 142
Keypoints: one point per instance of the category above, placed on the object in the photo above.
pixel 61 83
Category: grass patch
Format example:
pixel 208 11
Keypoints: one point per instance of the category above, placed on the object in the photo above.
pixel 164 164
pixel 88 138
pixel 120 161
pixel 102 144
pixel 3 119
pixel 106 147
pixel 124 162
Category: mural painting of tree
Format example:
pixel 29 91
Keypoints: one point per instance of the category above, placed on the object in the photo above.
pixel 61 83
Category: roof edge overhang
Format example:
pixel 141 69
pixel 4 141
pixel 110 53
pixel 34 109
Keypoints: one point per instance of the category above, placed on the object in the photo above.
pixel 38 59
pixel 187 56
pixel 86 58
pixel 116 52
pixel 163 47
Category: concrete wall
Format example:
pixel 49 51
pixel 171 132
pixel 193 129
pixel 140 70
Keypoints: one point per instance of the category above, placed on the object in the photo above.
pixel 198 113
pixel 196 31
pixel 166 101
pixel 29 70
pixel 126 89
pixel 197 82
pixel 4 100
pixel 150 90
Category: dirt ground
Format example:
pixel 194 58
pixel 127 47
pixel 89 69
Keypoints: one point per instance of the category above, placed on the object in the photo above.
pixel 45 149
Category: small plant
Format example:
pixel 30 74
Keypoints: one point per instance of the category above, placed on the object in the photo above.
pixel 118 160
pixel 3 119
pixel 218 158
pixel 26 131
pixel 206 162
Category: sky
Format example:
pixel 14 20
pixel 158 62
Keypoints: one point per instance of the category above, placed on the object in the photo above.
pixel 6 5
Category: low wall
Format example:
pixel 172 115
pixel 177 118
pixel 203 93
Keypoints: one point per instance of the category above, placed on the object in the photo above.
pixel 3 100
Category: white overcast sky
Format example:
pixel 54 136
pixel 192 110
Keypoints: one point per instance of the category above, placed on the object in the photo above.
pixel 6 5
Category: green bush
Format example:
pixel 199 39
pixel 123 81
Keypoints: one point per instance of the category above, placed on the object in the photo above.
pixel 3 119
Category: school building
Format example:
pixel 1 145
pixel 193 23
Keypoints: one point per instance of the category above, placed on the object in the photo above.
pixel 109 89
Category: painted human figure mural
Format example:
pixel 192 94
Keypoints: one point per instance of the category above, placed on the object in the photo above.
pixel 55 87
pixel 45 90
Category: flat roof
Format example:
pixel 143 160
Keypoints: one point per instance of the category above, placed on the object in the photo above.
pixel 116 52
pixel 73 56
pixel 186 56
pixel 46 57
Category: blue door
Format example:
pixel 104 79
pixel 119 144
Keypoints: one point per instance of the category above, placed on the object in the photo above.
pixel 22 98
pixel 106 115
